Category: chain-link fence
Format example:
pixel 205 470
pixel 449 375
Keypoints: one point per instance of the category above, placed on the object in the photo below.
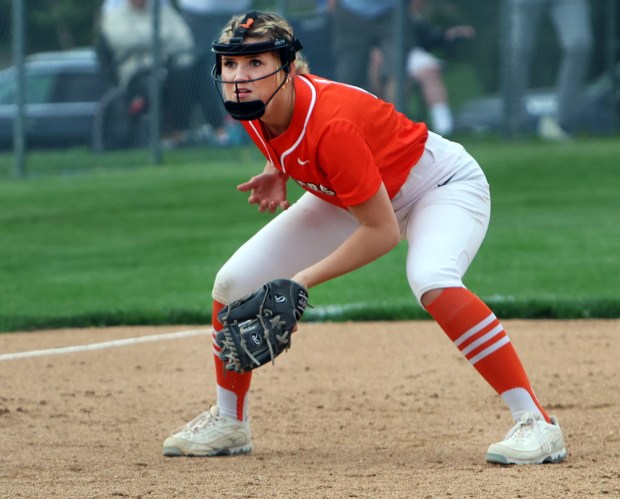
pixel 83 71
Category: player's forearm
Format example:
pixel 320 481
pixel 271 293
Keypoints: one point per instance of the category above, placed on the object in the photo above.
pixel 364 246
pixel 269 168
pixel 377 234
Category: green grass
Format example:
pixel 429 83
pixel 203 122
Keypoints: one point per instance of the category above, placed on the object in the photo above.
pixel 101 240
pixel 554 237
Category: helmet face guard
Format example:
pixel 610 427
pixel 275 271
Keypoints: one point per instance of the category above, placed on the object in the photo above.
pixel 251 110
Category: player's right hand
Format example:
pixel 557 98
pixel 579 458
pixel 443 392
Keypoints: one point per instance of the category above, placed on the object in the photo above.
pixel 268 191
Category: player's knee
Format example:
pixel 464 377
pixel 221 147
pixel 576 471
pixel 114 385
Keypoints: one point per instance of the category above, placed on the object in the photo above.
pixel 427 284
pixel 232 282
pixel 430 296
pixel 224 286
pixel 420 281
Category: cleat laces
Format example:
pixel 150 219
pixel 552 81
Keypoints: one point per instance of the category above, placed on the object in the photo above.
pixel 525 428
pixel 201 421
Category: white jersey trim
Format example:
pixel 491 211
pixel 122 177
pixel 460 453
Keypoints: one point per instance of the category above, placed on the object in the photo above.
pixel 303 131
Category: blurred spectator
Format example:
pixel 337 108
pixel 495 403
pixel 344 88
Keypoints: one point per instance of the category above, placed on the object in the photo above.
pixel 322 5
pixel 126 30
pixel 358 27
pixel 205 19
pixel 112 4
pixel 312 24
pixel 423 67
pixel 571 19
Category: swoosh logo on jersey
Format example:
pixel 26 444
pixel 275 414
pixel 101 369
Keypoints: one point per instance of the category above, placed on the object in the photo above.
pixel 302 163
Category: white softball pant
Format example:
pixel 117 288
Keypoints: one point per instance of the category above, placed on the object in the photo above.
pixel 443 211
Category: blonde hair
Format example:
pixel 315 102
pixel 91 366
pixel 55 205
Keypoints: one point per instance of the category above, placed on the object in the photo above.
pixel 269 25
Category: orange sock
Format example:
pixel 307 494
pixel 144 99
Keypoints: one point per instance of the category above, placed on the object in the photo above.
pixel 479 335
pixel 239 384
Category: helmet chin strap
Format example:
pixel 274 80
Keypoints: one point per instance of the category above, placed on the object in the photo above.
pixel 245 111
pixel 250 110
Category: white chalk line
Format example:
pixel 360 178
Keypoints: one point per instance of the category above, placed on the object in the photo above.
pixel 105 344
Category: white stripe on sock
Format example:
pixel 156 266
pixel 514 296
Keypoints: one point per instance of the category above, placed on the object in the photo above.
pixel 483 339
pixel 490 350
pixel 468 334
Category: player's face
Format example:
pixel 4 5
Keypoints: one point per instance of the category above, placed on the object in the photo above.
pixel 242 69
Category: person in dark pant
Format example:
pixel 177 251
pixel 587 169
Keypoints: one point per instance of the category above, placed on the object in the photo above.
pixel 571 19
pixel 358 27
pixel 205 18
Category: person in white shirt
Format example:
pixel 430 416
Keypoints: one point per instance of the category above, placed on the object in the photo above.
pixel 127 29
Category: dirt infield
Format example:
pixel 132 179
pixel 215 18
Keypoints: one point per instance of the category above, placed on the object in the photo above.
pixel 356 410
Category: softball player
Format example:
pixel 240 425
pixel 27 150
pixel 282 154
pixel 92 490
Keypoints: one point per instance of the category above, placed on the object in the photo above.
pixel 372 177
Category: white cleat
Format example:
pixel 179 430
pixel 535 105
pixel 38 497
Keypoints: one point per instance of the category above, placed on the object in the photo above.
pixel 210 435
pixel 531 441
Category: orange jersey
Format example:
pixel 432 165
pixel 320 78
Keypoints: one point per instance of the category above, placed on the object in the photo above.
pixel 342 142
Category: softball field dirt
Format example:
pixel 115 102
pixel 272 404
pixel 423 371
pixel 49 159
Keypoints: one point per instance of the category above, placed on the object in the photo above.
pixel 352 410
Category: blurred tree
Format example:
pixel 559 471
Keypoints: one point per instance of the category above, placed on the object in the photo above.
pixel 52 24
pixel 5 32
pixel 60 24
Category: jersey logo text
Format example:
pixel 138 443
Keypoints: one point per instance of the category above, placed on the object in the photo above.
pixel 318 188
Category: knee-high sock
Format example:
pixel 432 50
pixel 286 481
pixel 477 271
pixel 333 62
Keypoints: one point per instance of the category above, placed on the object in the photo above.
pixel 479 335
pixel 232 388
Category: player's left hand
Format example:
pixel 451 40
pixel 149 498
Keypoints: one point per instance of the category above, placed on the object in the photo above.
pixel 258 327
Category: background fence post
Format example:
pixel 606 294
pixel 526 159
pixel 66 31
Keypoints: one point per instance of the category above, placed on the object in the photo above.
pixel 613 49
pixel 510 100
pixel 19 120
pixel 398 25
pixel 155 90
